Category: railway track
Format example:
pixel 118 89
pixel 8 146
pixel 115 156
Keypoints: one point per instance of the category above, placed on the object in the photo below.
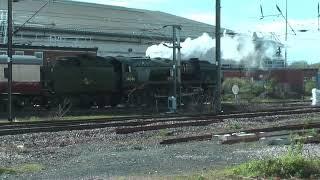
pixel 42 112
pixel 139 117
pixel 207 120
pixel 125 125
pixel 292 127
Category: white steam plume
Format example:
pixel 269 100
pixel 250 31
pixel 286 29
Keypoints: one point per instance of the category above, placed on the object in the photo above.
pixel 201 47
pixel 237 48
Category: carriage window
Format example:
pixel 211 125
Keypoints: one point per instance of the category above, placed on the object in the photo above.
pixel 3 52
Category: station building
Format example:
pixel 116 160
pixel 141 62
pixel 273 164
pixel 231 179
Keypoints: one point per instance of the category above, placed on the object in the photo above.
pixel 112 30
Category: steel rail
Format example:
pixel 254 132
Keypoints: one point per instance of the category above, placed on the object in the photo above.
pixel 125 125
pixel 210 120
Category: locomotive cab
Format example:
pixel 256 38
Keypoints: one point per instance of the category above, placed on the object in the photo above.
pixel 150 77
pixel 198 72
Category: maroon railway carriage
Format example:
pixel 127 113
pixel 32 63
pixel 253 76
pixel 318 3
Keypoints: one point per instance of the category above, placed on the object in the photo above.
pixel 26 84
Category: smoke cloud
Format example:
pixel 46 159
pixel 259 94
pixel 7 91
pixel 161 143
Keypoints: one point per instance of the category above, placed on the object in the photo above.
pixel 249 51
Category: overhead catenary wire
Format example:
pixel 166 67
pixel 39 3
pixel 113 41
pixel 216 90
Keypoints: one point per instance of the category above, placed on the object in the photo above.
pixel 292 29
pixel 18 29
pixel 263 15
pixel 286 20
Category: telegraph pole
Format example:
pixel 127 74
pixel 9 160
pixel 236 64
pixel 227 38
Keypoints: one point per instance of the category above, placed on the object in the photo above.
pixel 218 56
pixel 9 52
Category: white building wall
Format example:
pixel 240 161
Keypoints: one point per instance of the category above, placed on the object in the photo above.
pixel 107 46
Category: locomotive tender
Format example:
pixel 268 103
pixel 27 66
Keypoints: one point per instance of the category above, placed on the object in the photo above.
pixel 103 81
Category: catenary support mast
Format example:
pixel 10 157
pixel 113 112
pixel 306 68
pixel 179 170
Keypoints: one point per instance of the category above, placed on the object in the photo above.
pixel 9 60
pixel 218 57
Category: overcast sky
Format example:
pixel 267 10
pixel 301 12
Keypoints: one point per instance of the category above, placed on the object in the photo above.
pixel 244 16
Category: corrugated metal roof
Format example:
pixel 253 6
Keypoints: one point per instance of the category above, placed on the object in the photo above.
pixel 88 17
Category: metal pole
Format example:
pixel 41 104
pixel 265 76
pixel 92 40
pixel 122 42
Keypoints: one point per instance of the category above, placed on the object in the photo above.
pixel 174 61
pixel 318 16
pixel 179 66
pixel 286 38
pixel 9 60
pixel 218 56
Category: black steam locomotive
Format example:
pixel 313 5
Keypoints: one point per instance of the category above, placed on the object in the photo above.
pixel 108 81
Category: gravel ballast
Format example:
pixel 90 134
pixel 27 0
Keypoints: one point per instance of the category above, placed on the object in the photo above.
pixel 100 153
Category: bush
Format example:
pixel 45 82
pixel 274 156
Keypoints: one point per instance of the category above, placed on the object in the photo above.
pixel 257 89
pixel 248 89
pixel 284 167
pixel 271 86
pixel 26 168
pixel 293 164
pixel 228 83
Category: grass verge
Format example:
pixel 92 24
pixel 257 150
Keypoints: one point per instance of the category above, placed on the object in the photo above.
pixel 287 166
pixel 25 168
pixel 291 165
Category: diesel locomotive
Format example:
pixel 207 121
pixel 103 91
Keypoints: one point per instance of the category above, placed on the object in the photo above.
pixel 103 81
